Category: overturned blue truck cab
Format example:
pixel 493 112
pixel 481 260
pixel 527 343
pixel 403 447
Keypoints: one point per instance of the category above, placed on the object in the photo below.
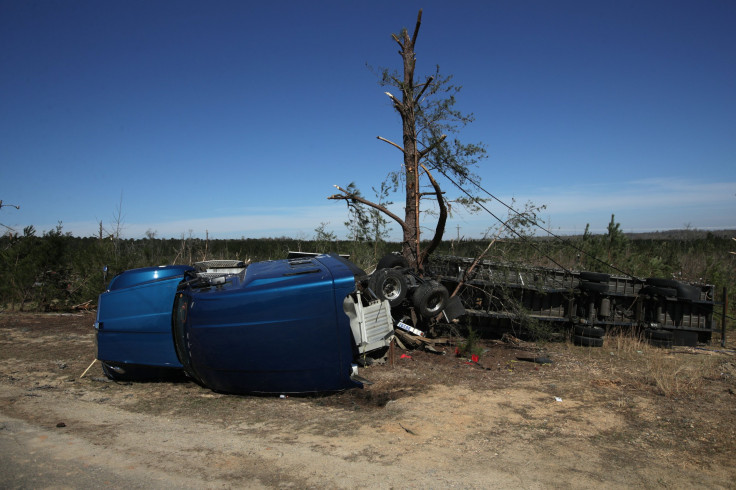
pixel 285 326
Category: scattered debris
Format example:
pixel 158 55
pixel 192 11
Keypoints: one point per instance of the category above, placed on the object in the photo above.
pixel 410 329
pixel 408 340
pixel 507 338
pixel 429 348
pixel 399 343
pixel 536 359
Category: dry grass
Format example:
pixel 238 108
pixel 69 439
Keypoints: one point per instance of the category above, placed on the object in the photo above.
pixel 668 372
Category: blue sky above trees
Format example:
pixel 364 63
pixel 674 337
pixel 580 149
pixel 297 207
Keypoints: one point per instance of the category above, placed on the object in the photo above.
pixel 238 117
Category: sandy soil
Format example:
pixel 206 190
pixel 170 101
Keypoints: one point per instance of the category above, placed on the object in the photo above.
pixel 594 417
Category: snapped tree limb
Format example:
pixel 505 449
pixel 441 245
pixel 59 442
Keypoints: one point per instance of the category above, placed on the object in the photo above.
pixel 441 220
pixel 416 29
pixel 390 143
pixel 431 147
pixel 349 196
pixel 426 84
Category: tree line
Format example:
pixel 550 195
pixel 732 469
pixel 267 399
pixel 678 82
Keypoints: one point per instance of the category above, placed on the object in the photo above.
pixel 55 271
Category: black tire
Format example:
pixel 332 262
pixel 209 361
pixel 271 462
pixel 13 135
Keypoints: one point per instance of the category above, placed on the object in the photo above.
pixel 592 332
pixel 587 341
pixel 665 344
pixel 659 291
pixel 392 261
pixel 389 284
pixel 430 299
pixel 659 334
pixel 688 292
pixel 595 287
pixel 594 276
pixel 662 283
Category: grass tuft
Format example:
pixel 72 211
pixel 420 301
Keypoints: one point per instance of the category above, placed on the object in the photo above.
pixel 666 372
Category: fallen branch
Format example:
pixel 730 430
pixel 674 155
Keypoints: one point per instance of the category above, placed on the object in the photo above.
pixel 88 368
pixel 83 306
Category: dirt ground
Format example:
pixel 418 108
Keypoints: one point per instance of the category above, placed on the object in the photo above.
pixel 617 416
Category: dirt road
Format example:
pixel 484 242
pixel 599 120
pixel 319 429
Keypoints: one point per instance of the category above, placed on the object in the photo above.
pixel 588 419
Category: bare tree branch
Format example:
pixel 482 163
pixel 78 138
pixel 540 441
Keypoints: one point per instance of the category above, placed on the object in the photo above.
pixel 6 205
pixel 349 196
pixel 426 84
pixel 431 147
pixel 393 99
pixel 397 104
pixel 416 29
pixel 390 143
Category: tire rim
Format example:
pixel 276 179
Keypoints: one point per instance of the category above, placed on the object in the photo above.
pixel 434 303
pixel 391 288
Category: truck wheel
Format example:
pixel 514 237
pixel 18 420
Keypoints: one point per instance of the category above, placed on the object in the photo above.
pixel 594 276
pixel 659 334
pixel 662 283
pixel 659 291
pixel 593 332
pixel 587 341
pixel 688 292
pixel 596 287
pixel 665 344
pixel 391 261
pixel 388 284
pixel 430 299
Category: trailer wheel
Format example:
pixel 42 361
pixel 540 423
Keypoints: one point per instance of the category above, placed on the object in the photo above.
pixel 592 332
pixel 659 291
pixel 596 287
pixel 391 261
pixel 594 276
pixel 389 284
pixel 665 344
pixel 430 299
pixel 688 292
pixel 659 334
pixel 662 283
pixel 587 341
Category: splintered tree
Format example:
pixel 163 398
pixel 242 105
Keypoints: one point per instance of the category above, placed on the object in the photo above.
pixel 427 115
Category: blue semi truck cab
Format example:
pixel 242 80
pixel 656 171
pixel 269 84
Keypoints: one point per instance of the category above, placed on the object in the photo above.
pixel 284 326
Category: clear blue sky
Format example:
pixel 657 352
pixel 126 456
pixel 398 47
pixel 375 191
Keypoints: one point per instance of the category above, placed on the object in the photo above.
pixel 237 117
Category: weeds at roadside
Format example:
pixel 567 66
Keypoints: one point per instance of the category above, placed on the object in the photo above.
pixel 661 370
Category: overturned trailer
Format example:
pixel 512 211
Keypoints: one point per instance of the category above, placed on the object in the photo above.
pixel 666 311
